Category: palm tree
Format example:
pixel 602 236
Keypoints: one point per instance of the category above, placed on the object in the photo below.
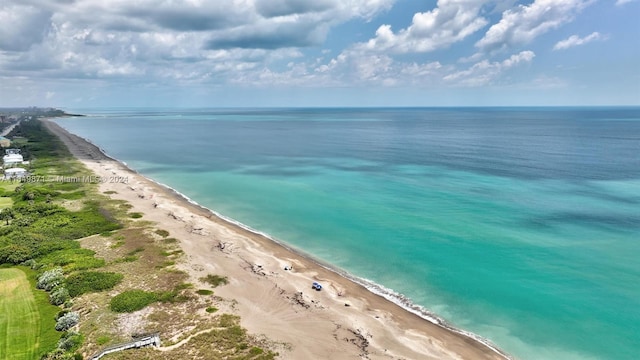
pixel 6 214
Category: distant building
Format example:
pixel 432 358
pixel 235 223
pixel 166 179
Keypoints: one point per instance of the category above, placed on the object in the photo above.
pixel 15 173
pixel 4 142
pixel 11 160
pixel 11 151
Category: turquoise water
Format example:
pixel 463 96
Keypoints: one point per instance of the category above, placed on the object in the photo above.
pixel 520 225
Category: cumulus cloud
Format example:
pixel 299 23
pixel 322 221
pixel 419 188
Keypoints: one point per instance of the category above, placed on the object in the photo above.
pixel 168 39
pixel 484 72
pixel 355 67
pixel 451 21
pixel 575 40
pixel 259 42
pixel 273 8
pixel 526 22
pixel 288 32
pixel 623 2
pixel 21 26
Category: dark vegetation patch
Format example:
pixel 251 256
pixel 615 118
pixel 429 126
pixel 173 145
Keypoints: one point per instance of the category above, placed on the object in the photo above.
pixel 134 300
pixel 215 280
pixel 91 281
pixel 163 233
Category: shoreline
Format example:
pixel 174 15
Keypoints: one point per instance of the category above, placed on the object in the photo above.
pixel 363 302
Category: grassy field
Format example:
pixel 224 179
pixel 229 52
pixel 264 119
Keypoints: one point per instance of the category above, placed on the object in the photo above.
pixel 7 187
pixel 5 202
pixel 24 332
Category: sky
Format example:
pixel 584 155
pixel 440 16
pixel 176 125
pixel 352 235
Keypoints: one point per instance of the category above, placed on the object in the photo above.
pixel 288 53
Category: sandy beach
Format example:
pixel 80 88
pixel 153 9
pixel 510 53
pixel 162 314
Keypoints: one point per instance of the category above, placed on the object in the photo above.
pixel 343 321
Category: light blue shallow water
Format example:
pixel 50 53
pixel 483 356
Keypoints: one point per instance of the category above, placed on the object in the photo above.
pixel 521 225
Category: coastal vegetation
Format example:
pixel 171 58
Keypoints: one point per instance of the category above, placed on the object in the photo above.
pixel 74 264
pixel 215 280
pixel 91 281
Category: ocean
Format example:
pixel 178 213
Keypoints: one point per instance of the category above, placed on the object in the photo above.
pixel 521 225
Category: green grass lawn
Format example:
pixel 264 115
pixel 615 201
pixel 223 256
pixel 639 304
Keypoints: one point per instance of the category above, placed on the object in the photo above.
pixel 26 318
pixel 5 202
pixel 9 185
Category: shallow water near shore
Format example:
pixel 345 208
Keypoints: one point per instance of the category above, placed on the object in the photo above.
pixel 518 224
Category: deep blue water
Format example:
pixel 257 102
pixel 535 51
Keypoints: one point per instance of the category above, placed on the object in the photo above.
pixel 519 224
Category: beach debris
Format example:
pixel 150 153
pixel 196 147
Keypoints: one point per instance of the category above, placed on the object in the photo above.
pixel 355 337
pixel 288 267
pixel 196 229
pixel 298 299
pixel 225 247
pixel 316 286
pixel 258 270
pixel 347 304
pixel 173 215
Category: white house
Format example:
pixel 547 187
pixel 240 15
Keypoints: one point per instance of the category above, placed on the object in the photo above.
pixel 12 159
pixel 15 173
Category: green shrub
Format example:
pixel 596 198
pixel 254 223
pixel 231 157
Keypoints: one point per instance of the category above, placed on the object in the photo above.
pixel 211 309
pixel 163 233
pixel 135 215
pixel 70 341
pixel 67 321
pixel 132 300
pixel 15 254
pixel 91 281
pixel 204 292
pixel 215 280
pixel 173 296
pixel 101 340
pixel 59 295
pixel 183 286
pixel 72 259
pixel 50 279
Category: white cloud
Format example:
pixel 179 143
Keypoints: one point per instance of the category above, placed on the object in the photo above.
pixel 623 2
pixel 575 40
pixel 21 26
pixel 484 72
pixel 526 22
pixel 451 21
pixel 354 67
pixel 187 40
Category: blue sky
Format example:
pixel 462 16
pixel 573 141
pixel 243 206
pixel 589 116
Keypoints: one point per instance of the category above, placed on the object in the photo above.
pixel 205 53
